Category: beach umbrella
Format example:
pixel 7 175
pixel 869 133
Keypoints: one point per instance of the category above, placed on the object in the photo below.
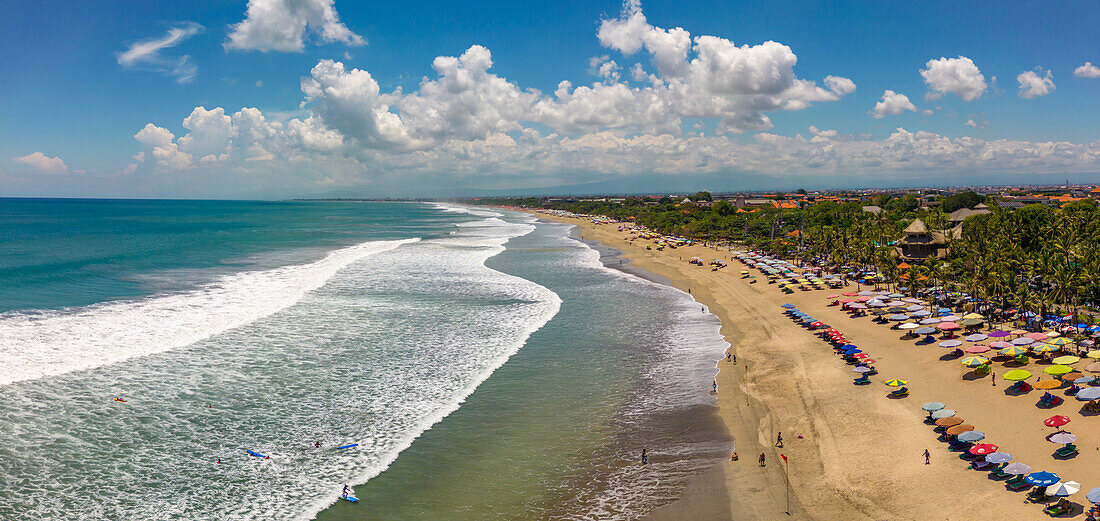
pixel 857 306
pixel 950 318
pixel 1056 421
pixel 974 361
pixel 1059 341
pixel 1067 360
pixel 896 383
pixel 950 421
pixel 898 318
pixel 999 334
pixel 977 316
pixel 1093 368
pixel 950 343
pixel 1012 350
pixel 859 356
pixel 1023 341
pixel 976 349
pixel 921 314
pixel 1001 344
pixel 914 307
pixel 861 369
pixel 1047 385
pixel 865 293
pixel 876 303
pixel 1062 438
pixel 1045 348
pixel 947 326
pixel 969 322
pixel 1064 489
pixel 1084 380
pixel 897 309
pixel 933 406
pixel 1094 496
pixel 930 321
pixel 959 429
pixel 1042 479
pixel 943 413
pixel 982 449
pixel 1088 394
pixel 925 330
pixel 1016 375
pixel 909 325
pixel 977 337
pixel 1057 370
pixel 999 457
pixel 831 296
pixel 849 294
pixel 1095 353
pixel 788 305
pixel 971 436
pixel 1018 332
pixel 1036 336
pixel 894 295
pixel 1017 468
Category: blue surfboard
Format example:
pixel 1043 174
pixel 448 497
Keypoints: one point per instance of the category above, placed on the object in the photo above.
pixel 348 446
pixel 257 454
pixel 351 499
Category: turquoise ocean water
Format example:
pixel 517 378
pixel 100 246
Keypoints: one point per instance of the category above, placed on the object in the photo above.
pixel 489 366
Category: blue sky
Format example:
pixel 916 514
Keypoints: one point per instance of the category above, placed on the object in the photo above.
pixel 726 111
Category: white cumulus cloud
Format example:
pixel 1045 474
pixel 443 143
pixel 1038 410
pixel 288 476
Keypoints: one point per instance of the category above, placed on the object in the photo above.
pixel 1088 70
pixel 958 76
pixel 1034 84
pixel 146 54
pixel 892 103
pixel 841 86
pixel 42 163
pixel 282 25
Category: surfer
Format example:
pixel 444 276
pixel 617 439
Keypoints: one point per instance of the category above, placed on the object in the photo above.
pixel 317 445
pixel 345 492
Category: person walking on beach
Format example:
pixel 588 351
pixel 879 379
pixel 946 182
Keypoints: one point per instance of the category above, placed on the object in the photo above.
pixel 714 387
pixel 761 459
pixel 728 355
pixel 779 440
pixel 644 458
pixel 927 457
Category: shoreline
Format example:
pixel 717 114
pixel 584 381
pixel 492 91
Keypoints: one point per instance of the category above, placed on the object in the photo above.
pixel 853 453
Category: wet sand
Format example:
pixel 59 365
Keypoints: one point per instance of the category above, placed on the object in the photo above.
pixel 853 452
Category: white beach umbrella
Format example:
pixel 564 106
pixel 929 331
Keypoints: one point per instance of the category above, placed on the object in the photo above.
pixel 1063 489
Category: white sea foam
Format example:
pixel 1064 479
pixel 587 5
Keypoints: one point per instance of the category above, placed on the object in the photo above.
pixel 38 344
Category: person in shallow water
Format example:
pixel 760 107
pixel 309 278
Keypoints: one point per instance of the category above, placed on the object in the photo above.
pixel 317 445
pixel 644 458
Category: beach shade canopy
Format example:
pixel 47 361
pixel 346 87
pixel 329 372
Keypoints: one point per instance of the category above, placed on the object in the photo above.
pixel 1047 385
pixel 857 305
pixel 852 351
pixel 1017 468
pixel 859 356
pixel 1023 341
pixel 947 326
pixel 914 307
pixel 933 406
pixel 1063 489
pixel 832 296
pixel 972 436
pixel 974 361
pixel 981 449
pixel 1095 353
pixel 865 293
pixel 999 334
pixel 1094 496
pixel 943 413
pixel 896 309
pixel 924 330
pixel 1042 479
pixel 1045 348
pixel 959 429
pixel 849 293
pixel 1093 368
pixel 1057 370
pixel 1037 336
pixel 930 321
pixel 862 369
pixel 1000 344
pixel 909 325
pixel 896 383
pixel 950 343
pixel 977 337
pixel 898 318
pixel 788 306
pixel 1056 421
pixel 1088 394
pixel 948 422
pixel 973 316
pixel 1012 350
pixel 1017 375
pixel 877 304
pixel 1067 360
pixel 1084 380
pixel 950 318
pixel 976 349
pixel 1059 341
pixel 970 322
pixel 921 314
pixel 1062 437
pixel 999 457
pixel 1018 332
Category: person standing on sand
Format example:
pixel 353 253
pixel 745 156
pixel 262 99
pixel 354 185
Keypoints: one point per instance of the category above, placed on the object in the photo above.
pixel 779 440
pixel 993 376
pixel 761 459
pixel 714 387
pixel 927 457
pixel 728 355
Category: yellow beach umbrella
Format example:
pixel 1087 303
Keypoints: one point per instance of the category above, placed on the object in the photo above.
pixel 1057 370
pixel 1017 375
pixel 1067 360
pixel 1053 334
pixel 1095 353
pixel 1014 351
pixel 896 383
pixel 973 315
pixel 1046 348
pixel 974 361
pixel 1061 341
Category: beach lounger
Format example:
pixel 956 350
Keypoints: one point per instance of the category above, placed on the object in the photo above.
pixel 1057 509
pixel 904 391
pixel 998 472
pixel 863 380
pixel 1017 486
pixel 1067 451
pixel 1020 387
pixel 1017 479
pixel 1037 495
pixel 1022 359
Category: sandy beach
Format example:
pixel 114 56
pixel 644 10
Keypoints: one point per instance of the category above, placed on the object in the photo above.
pixel 853 452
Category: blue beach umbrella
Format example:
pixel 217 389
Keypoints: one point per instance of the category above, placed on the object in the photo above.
pixel 1084 380
pixel 852 351
pixel 1088 394
pixel 933 406
pixel 1042 479
pixel 898 318
pixel 849 346
pixel 788 306
pixel 1094 496
pixel 925 330
pixel 971 436
pixel 999 457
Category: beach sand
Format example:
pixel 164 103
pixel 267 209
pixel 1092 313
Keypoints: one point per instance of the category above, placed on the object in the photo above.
pixel 853 452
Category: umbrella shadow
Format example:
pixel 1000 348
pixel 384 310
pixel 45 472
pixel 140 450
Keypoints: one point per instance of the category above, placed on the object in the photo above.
pixel 973 375
pixel 950 356
pixel 1010 391
pixel 1057 456
pixel 1086 412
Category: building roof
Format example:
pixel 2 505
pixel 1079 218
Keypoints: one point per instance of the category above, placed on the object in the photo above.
pixel 877 210
pixel 916 227
pixel 961 214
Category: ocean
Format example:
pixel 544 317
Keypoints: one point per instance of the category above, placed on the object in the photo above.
pixel 488 365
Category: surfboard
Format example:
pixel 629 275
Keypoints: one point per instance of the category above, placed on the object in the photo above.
pixel 257 454
pixel 351 499
pixel 348 446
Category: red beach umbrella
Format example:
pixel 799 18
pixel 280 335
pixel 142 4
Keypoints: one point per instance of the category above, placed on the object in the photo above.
pixel 1056 421
pixel 947 326
pixel 860 355
pixel 849 294
pixel 982 449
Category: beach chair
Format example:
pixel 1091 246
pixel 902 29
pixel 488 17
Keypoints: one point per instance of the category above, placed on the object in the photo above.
pixel 1067 451
pixel 1022 359
pixel 982 370
pixel 1016 481
pixel 1020 387
pixel 1057 509
pixel 1038 495
pixel 998 472
pixel 863 380
pixel 958 446
pixel 904 391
